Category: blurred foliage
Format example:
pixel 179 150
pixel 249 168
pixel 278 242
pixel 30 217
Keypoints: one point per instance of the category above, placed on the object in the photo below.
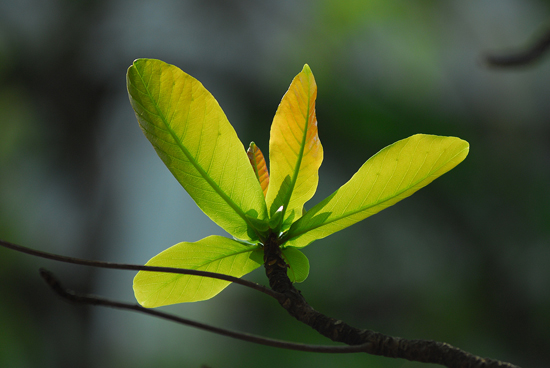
pixel 464 260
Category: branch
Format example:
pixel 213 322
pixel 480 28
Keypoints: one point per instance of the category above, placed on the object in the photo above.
pixel 124 266
pixel 375 343
pixel 94 300
pixel 291 299
pixel 531 54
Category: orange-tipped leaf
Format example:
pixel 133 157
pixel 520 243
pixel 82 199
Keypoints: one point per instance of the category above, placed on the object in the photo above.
pixel 295 152
pixel 257 161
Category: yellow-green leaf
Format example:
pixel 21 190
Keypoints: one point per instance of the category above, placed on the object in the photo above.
pixel 193 137
pixel 295 152
pixel 213 254
pixel 298 264
pixel 257 161
pixel 391 175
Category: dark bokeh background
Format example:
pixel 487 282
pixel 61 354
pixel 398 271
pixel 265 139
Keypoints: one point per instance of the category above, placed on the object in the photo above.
pixel 466 260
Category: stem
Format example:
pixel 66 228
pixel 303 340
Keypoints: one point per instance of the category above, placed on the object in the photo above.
pixel 291 299
pixel 375 343
pixel 70 295
pixel 125 266
pixel 529 55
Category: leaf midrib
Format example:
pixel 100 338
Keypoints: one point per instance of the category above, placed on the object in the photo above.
pixel 300 155
pixel 174 277
pixel 191 159
pixel 296 235
pixel 218 258
pixel 201 278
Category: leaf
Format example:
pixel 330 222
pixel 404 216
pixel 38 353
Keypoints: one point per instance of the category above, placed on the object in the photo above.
pixel 194 139
pixel 298 264
pixel 257 161
pixel 295 152
pixel 214 254
pixel 391 175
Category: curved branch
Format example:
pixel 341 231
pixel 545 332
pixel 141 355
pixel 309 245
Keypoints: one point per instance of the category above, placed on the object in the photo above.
pixel 425 351
pixel 56 286
pixel 531 54
pixel 291 299
pixel 124 266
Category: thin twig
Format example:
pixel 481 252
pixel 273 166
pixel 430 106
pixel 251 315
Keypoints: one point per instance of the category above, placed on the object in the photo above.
pixel 292 300
pixel 124 266
pixel 529 55
pixel 70 295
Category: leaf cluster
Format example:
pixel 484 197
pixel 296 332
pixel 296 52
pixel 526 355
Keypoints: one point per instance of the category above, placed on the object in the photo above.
pixel 195 140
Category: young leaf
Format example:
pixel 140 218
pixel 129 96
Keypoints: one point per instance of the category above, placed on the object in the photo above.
pixel 193 137
pixel 295 152
pixel 257 161
pixel 391 175
pixel 214 254
pixel 298 264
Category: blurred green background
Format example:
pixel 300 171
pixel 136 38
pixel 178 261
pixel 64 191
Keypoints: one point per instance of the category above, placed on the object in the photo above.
pixel 465 260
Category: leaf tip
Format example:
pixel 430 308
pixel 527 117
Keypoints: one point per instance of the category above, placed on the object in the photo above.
pixel 306 69
pixel 465 148
pixel 466 144
pixel 138 61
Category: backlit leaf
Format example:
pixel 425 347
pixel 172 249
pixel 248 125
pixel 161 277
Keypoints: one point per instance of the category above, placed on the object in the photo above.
pixel 295 152
pixel 214 254
pixel 391 175
pixel 193 137
pixel 298 264
pixel 257 161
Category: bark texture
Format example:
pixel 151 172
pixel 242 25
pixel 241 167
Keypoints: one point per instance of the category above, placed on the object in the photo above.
pixel 375 343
